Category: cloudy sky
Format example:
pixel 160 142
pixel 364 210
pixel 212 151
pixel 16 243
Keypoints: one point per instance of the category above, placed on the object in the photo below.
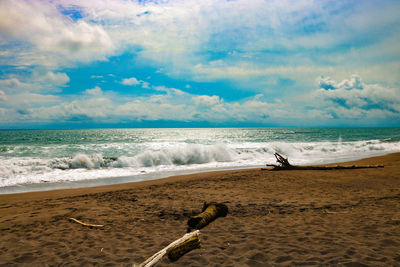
pixel 209 63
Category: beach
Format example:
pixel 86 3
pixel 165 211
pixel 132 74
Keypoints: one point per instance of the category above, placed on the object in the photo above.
pixel 302 217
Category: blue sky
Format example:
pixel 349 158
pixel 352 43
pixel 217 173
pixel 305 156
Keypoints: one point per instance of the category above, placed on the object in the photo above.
pixel 78 64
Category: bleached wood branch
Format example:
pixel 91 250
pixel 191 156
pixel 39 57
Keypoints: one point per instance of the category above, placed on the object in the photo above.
pixel 158 256
pixel 85 224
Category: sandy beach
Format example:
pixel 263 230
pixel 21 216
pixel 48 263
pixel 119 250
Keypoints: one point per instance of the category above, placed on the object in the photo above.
pixel 318 217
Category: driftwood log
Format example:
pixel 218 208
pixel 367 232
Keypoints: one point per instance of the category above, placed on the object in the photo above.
pixel 175 250
pixel 191 240
pixel 285 165
pixel 210 212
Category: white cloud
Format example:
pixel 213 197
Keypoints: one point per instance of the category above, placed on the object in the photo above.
pixel 171 91
pixel 94 91
pixel 13 85
pixel 245 70
pixel 36 81
pixel 251 44
pixel 90 107
pixel 172 104
pixel 205 100
pixel 139 110
pixel 130 81
pixel 255 39
pixel 54 38
pixel 30 99
pixel 352 98
pixel 3 96
pixel 145 85
pixel 134 81
pixel 353 83
pixel 50 78
pixel 177 33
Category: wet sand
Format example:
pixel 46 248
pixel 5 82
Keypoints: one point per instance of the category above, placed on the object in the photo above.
pixel 331 217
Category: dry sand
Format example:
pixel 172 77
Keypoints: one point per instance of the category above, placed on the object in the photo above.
pixel 333 217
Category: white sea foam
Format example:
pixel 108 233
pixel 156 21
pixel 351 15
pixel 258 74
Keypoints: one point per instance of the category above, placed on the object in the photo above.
pixel 162 157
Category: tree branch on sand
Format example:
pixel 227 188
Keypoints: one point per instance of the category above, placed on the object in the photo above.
pixel 174 250
pixel 285 165
pixel 86 224
pixel 189 241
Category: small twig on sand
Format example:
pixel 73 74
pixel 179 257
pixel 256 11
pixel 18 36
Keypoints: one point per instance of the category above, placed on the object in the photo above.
pixel 86 224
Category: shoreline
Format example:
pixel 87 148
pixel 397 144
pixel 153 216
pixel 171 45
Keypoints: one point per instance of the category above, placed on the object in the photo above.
pixel 295 217
pixel 115 187
pixel 177 177
pixel 110 181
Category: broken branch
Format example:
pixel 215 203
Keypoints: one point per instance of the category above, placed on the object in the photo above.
pixel 177 251
pixel 285 165
pixel 192 244
pixel 85 224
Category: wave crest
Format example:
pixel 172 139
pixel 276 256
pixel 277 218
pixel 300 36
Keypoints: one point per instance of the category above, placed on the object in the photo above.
pixel 182 155
pixel 189 154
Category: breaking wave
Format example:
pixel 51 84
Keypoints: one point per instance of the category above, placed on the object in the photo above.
pixel 181 157
pixel 186 155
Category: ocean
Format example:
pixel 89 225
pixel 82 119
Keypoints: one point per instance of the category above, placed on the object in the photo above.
pixel 37 160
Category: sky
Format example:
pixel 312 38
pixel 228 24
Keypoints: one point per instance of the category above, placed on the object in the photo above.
pixel 209 63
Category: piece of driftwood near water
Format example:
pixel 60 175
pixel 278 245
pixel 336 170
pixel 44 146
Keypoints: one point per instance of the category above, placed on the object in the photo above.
pixel 209 213
pixel 174 250
pixel 285 165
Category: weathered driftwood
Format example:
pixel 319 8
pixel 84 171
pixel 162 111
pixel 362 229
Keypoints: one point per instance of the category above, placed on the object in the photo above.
pixel 177 251
pixel 175 248
pixel 210 212
pixel 282 161
pixel 285 165
pixel 278 168
pixel 85 224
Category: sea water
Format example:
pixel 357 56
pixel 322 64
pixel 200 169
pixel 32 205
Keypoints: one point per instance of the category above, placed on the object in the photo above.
pixel 32 160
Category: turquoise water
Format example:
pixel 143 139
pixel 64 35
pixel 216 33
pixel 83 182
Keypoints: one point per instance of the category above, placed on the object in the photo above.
pixel 71 156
